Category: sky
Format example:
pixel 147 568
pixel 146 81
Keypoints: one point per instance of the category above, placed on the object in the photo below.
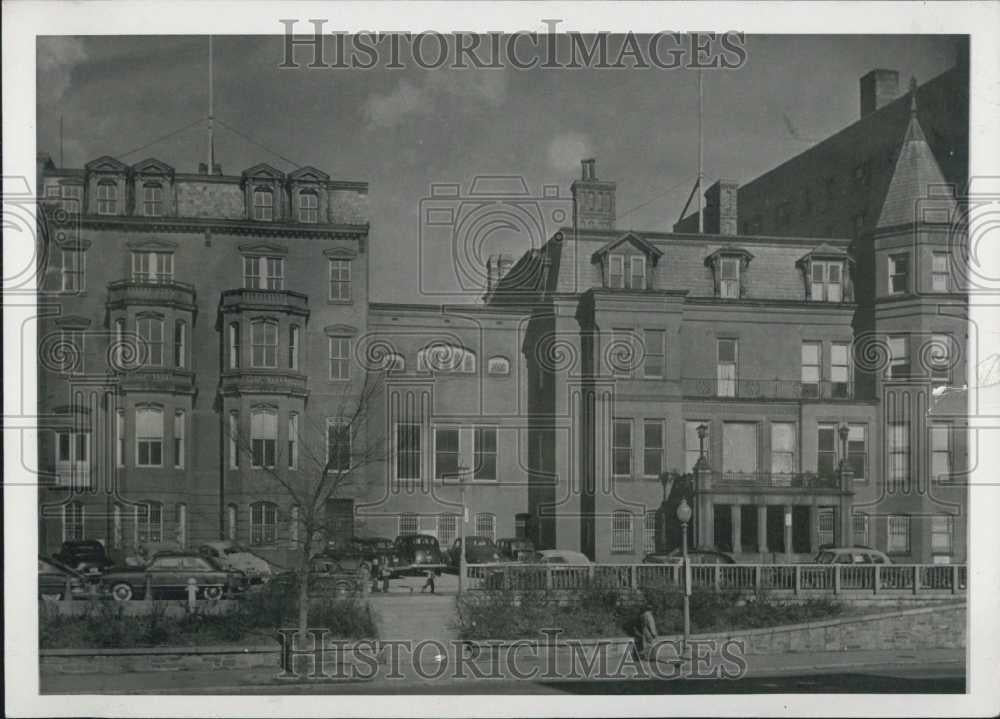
pixel 405 130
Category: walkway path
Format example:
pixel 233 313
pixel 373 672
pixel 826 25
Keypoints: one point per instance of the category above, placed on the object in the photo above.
pixel 410 615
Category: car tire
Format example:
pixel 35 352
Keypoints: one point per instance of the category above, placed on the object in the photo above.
pixel 213 593
pixel 121 592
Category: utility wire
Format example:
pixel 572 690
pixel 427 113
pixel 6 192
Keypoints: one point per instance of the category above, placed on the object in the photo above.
pixel 258 144
pixel 653 199
pixel 161 139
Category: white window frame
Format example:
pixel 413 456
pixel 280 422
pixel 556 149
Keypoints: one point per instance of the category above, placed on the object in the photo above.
pixel 649 531
pixel 309 213
pixel 73 270
pixel 640 262
pixel 261 434
pixel 152 267
pixel 822 288
pixel 898 525
pixel 812 371
pixel 417 452
pixel 486 525
pixel 895 261
pixel 899 357
pixel 149 528
pixel 152 199
pixel 107 202
pixel 898 454
pixel 403 524
pixel 152 440
pixel 341 280
pixel 654 350
pixel 294 339
pixel 616 268
pixel 621 450
pixel 948 531
pixel 729 287
pixel 260 332
pixel 263 524
pixel 340 358
pixel 150 331
pixel 234 438
pixel 479 454
pixel 647 451
pixel 940 272
pixel 854 430
pixel 180 418
pixel 180 344
pixel 941 454
pixel 263 272
pixel 727 373
pixel 71 198
pixel 234 345
pixel 840 369
pixel 692 446
pixel 622 532
pixel 861 528
pixel 781 458
pixel 293 440
pixel 72 470
pixel 439 432
pixel 263 211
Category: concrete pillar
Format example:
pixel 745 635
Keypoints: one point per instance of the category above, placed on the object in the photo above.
pixel 787 519
pixel 762 530
pixel 737 523
pixel 706 535
pixel 844 525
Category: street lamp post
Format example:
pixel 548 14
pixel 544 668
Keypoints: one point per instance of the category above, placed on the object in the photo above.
pixel 684 516
pixel 461 530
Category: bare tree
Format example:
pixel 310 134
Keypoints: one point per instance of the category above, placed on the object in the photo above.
pixel 326 464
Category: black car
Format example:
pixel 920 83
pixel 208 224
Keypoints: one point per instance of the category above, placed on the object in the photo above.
pixel 84 555
pixel 169 573
pixel 695 556
pixel 53 578
pixel 418 553
pixel 478 550
pixel 516 549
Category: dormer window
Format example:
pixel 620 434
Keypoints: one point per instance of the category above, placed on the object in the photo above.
pixel 308 207
pixel 263 204
pixel 626 272
pixel 729 266
pixel 827 281
pixel 625 262
pixel 729 277
pixel 637 275
pixel 616 271
pixel 152 199
pixel 107 197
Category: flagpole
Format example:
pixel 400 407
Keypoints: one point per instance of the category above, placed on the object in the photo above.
pixel 701 144
pixel 211 112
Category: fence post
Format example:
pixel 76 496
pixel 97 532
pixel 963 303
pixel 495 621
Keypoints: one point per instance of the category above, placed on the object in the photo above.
pixel 836 579
pixel 756 577
pixel 798 578
pixel 632 571
pixel 916 579
pixel 590 574
pixel 68 590
pixel 954 578
pixel 548 577
pixel 716 568
pixel 877 578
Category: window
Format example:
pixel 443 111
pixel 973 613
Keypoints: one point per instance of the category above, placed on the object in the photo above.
pixel 783 448
pixel 692 445
pixel 445 358
pixel 652 447
pixel 942 527
pixel 73 458
pixel 234 438
pixel 739 447
pixel 498 366
pixel 621 448
pixel 649 532
pixel 120 438
pixel 857 451
pixel 308 206
pixel 180 344
pixel 940 272
pixel 825 521
pixel 263 437
pixel 234 345
pixel 939 359
pixel 654 353
pixel 621 531
pixel 263 204
pixel 340 280
pixel 637 276
pixel 264 273
pixel 107 197
pixel 729 277
pixel 152 267
pixel 616 272
pixel 860 526
pixel 149 523
pixel 826 450
pixel 73 271
pixel 263 343
pixel 340 352
pixel 899 274
pixel 485 453
pixel 899 455
pixel 941 452
pixel 827 282
pixel 408 523
pixel 179 439
pixel 899 357
pixel 71 346
pixel 293 440
pixel 152 199
pixel 338 445
pixel 263 523
pixel 840 370
pixel 293 347
pixel 408 459
pixel 149 437
pixel 151 339
pixel 811 368
pixel 447 529
pixel 446 452
pixel 486 525
pixel 899 534
pixel 72 198
pixel 726 368
pixel 73 521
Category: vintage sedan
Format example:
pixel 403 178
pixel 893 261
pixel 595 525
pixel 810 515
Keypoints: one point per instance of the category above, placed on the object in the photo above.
pixel 83 555
pixel 235 557
pixel 516 549
pixel 168 574
pixel 416 554
pixel 478 550
pixel 695 556
pixel 53 577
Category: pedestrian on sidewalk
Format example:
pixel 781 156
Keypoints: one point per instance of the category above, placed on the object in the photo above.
pixel 429 583
pixel 644 632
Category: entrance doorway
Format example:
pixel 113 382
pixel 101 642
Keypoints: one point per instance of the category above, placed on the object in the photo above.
pixel 748 528
pixel 722 521
pixel 776 528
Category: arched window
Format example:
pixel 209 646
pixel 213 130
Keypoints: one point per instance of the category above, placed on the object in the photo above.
pixel 263 436
pixel 621 531
pixel 148 437
pixel 73 521
pixel 149 523
pixel 180 344
pixel 263 204
pixel 445 358
pixel 264 343
pixel 151 341
pixel 486 525
pixel 308 206
pixel 234 345
pixel 263 523
pixel 499 366
pixel 107 197
pixel 152 199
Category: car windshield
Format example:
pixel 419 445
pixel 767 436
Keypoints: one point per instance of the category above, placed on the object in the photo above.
pixel 825 558
pixel 424 541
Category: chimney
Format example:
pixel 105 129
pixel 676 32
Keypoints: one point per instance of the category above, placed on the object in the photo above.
pixel 497 267
pixel 878 89
pixel 593 200
pixel 202 168
pixel 721 208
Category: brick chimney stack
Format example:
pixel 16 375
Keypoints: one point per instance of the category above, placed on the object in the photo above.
pixel 721 209
pixel 878 88
pixel 593 199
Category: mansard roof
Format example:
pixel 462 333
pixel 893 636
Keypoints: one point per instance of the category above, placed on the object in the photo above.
pixel 647 248
pixel 730 251
pixel 106 163
pixel 308 174
pixel 824 251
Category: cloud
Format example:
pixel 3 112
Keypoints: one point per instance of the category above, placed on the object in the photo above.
pixel 56 59
pixel 566 151
pixel 472 90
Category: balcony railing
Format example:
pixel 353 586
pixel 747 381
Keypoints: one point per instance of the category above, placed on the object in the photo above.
pixel 253 380
pixel 265 300
pixel 765 388
pixel 157 379
pixel 775 480
pixel 166 293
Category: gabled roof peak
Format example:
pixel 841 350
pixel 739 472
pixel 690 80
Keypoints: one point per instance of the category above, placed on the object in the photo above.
pixel 649 249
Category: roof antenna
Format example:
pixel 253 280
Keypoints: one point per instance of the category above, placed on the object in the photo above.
pixel 211 112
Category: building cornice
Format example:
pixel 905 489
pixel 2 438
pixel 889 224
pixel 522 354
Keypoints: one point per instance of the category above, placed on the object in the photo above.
pixel 744 303
pixel 220 226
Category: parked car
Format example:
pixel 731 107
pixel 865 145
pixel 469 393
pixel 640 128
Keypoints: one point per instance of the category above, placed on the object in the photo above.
pixel 235 557
pixel 52 577
pixel 87 556
pixel 562 556
pixel 478 550
pixel 169 573
pixel 516 549
pixel 695 556
pixel 418 553
pixel 857 554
